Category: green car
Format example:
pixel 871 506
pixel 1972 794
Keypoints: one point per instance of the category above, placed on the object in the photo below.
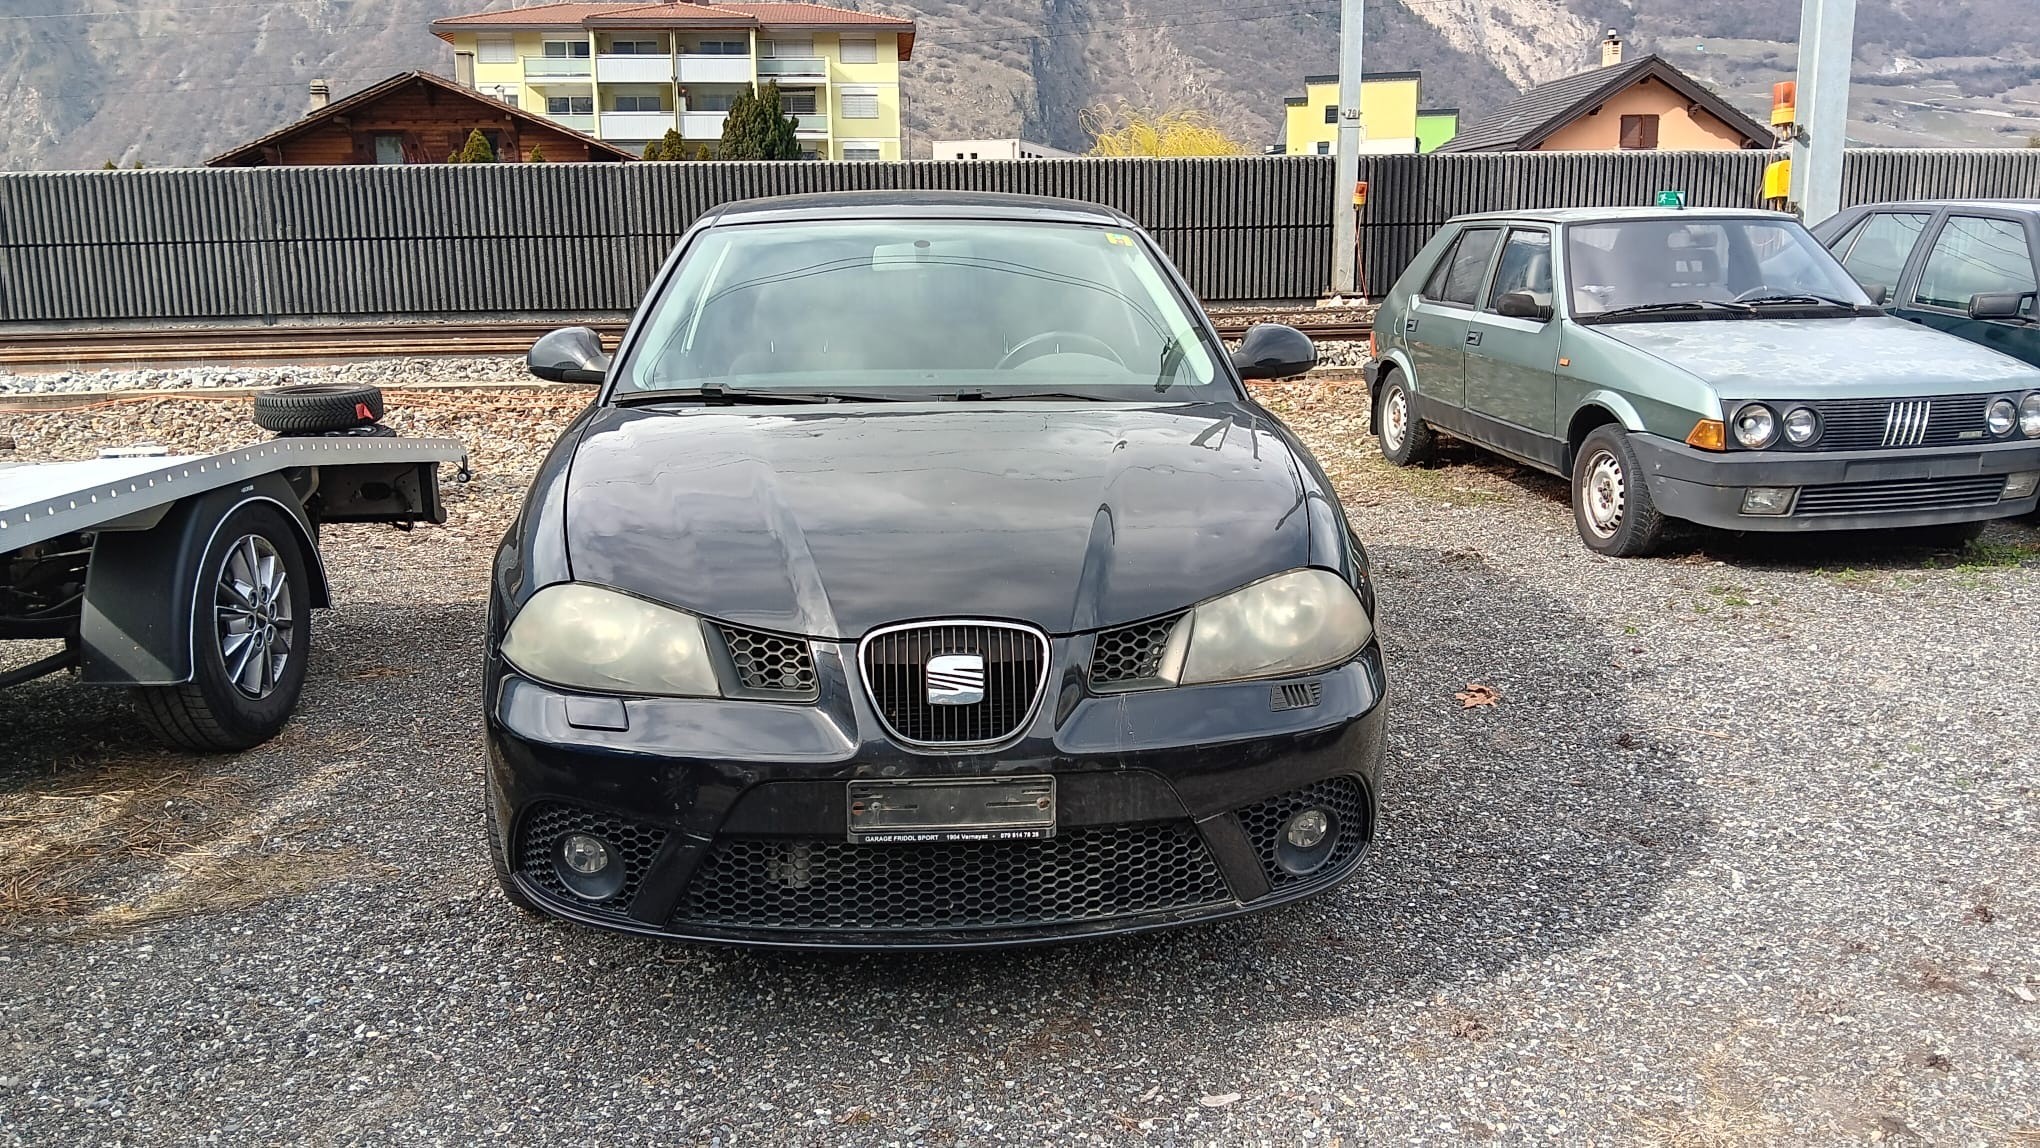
pixel 1718 367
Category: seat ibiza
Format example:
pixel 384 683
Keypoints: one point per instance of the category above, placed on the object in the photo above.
pixel 923 574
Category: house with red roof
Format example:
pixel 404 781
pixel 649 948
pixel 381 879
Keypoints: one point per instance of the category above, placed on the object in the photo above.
pixel 627 73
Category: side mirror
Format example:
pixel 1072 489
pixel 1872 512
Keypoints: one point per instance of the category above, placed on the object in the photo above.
pixel 1274 351
pixel 568 355
pixel 1878 292
pixel 1523 305
pixel 1998 304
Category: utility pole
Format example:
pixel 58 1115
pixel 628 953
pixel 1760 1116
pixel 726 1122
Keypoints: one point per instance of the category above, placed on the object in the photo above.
pixel 1345 222
pixel 1827 43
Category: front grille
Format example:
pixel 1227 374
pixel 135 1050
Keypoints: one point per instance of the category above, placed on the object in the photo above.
pixel 1899 496
pixel 1341 795
pixel 1130 654
pixel 1873 424
pixel 546 823
pixel 771 663
pixel 1082 874
pixel 896 675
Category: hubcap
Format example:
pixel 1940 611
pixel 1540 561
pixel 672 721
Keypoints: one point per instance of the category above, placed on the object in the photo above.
pixel 251 608
pixel 1603 494
pixel 1395 419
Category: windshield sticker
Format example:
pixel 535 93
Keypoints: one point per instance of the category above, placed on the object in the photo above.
pixel 1118 240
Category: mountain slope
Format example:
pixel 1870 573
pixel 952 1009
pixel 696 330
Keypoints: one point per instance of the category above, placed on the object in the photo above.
pixel 136 79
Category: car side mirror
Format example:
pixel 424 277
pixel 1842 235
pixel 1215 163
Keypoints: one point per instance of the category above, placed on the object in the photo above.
pixel 1523 305
pixel 568 355
pixel 1998 304
pixel 1878 292
pixel 1274 351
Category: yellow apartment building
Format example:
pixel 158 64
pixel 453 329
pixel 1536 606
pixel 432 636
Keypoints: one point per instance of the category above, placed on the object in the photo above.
pixel 628 73
pixel 1393 120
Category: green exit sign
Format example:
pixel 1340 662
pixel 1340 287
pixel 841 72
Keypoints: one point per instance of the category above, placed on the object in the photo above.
pixel 1671 199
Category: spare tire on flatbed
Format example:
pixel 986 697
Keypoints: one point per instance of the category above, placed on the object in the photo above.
pixel 316 408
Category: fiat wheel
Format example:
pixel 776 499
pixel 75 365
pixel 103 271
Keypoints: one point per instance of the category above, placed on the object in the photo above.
pixel 1611 502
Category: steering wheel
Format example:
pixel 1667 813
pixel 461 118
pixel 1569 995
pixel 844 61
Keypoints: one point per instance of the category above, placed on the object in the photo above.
pixel 1052 343
pixel 1762 289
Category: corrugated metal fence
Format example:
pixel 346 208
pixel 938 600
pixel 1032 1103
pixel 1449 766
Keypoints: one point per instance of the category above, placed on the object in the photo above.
pixel 285 243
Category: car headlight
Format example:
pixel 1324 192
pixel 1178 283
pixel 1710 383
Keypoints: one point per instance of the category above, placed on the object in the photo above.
pixel 590 638
pixel 1802 426
pixel 1755 426
pixel 2001 417
pixel 2029 415
pixel 1293 622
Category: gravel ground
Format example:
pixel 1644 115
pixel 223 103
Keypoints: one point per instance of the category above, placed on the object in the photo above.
pixel 1742 855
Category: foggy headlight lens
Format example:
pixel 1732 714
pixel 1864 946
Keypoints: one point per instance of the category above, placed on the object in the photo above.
pixel 2029 415
pixel 1302 620
pixel 586 637
pixel 1755 426
pixel 1801 426
pixel 2001 417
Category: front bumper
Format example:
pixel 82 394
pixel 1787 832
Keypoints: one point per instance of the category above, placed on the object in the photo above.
pixel 1838 490
pixel 730 815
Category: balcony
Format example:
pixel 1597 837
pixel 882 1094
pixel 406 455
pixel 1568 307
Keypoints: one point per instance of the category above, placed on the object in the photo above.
pixel 702 125
pixel 811 125
pixel 555 67
pixel 715 69
pixel 806 67
pixel 634 69
pixel 580 123
pixel 636 125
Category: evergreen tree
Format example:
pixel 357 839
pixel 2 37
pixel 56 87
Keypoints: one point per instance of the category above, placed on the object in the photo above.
pixel 476 150
pixel 537 154
pixel 672 147
pixel 757 129
pixel 654 149
pixel 702 153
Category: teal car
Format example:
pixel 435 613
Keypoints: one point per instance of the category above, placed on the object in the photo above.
pixel 1717 367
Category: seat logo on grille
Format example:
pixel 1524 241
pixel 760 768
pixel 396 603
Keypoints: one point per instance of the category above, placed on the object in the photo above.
pixel 956 679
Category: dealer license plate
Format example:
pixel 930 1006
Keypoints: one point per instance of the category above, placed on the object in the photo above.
pixel 970 809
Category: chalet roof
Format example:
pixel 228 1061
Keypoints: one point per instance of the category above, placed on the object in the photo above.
pixel 375 92
pixel 1539 113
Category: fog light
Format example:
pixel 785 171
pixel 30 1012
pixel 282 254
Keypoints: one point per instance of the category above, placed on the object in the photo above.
pixel 588 867
pixel 2022 484
pixel 1768 499
pixel 1308 828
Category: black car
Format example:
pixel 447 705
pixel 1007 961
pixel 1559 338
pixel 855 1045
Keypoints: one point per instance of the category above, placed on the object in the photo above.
pixel 1969 267
pixel 924 575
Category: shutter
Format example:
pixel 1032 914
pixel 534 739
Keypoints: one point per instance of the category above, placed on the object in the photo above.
pixel 495 50
pixel 860 105
pixel 860 50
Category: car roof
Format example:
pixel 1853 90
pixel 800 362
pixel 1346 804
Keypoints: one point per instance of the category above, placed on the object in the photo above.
pixel 904 204
pixel 1566 215
pixel 2020 205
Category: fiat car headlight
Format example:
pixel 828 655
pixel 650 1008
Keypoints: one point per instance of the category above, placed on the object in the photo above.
pixel 1755 426
pixel 2029 415
pixel 1293 622
pixel 589 638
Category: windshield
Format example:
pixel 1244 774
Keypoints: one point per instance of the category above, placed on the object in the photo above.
pixel 1654 262
pixel 898 306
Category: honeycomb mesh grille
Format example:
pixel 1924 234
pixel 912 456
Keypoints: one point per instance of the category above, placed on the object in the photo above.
pixel 1263 823
pixel 771 663
pixel 546 823
pixel 1131 653
pixel 1083 874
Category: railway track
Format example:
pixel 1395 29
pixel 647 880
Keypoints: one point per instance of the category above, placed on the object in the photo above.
pixel 174 347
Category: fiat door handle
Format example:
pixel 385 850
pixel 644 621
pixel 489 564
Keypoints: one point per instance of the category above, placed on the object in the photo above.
pixel 1409 325
pixel 1473 338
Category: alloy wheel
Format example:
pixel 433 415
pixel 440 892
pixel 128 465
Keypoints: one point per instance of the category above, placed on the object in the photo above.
pixel 252 612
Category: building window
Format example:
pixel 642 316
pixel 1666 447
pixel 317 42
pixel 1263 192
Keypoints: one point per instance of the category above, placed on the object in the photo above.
pixel 1639 133
pixel 1324 147
pixel 864 152
pixel 797 102
pixel 709 102
pixel 495 50
pixel 570 105
pixel 1331 113
pixel 722 48
pixel 860 105
pixel 636 48
pixel 786 49
pixel 639 104
pixel 567 49
pixel 860 50
pixel 389 148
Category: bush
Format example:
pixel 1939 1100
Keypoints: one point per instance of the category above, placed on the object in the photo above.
pixel 476 150
pixel 537 154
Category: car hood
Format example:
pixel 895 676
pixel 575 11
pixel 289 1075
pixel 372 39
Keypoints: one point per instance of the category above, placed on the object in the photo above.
pixel 1867 357
pixel 830 521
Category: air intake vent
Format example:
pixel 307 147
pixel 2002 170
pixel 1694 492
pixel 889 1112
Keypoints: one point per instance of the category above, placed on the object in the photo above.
pixel 771 663
pixel 1130 655
pixel 1296 695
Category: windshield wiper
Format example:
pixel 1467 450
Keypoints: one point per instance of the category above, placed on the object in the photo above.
pixel 1685 305
pixel 735 396
pixel 1007 396
pixel 1801 297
